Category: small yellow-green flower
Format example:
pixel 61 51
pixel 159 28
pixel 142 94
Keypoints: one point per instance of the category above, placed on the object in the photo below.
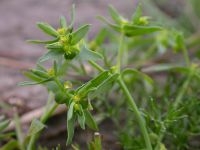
pixel 62 31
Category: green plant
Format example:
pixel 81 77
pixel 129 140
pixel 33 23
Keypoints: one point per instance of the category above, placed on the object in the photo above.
pixel 69 43
pixel 163 113
pixel 6 136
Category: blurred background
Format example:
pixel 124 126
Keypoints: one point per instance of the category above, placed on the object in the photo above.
pixel 18 23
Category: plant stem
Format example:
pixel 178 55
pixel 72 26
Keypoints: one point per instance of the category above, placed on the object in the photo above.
pixel 95 65
pixel 48 113
pixel 133 106
pixel 20 136
pixel 43 119
pixel 120 52
pixel 59 83
pixel 183 90
pixel 83 68
pixel 139 117
pixel 186 56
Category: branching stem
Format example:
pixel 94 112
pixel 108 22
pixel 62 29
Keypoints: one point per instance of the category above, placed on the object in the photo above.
pixel 133 106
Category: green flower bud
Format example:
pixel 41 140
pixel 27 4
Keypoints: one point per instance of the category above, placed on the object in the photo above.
pixel 51 72
pixel 76 98
pixel 67 85
pixel 76 107
pixel 60 97
pixel 144 20
pixel 62 31
pixel 64 40
pixel 153 137
pixel 70 52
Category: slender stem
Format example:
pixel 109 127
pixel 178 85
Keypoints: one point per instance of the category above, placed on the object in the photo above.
pixel 95 65
pixel 83 68
pixel 43 119
pixel 49 113
pixel 120 52
pixel 160 137
pixel 20 136
pixel 59 83
pixel 139 117
pixel 183 90
pixel 186 56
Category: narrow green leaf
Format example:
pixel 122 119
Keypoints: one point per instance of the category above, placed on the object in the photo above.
pixel 51 54
pixel 19 133
pixel 4 124
pixel 34 83
pixel 29 74
pixel 108 81
pixel 86 54
pixel 79 34
pixel 24 83
pixel 115 15
pixel 179 41
pixel 104 86
pixel 42 42
pixel 11 145
pixel 70 130
pixel 40 67
pixel 46 28
pixel 137 14
pixel 81 118
pixel 166 67
pixel 113 26
pixel 70 111
pixel 138 74
pixel 92 84
pixel 133 73
pixel 55 67
pixel 72 16
pixel 42 74
pixel 36 126
pixel 63 22
pixel 55 46
pixel 99 39
pixel 135 30
pixel 90 122
pixel 7 135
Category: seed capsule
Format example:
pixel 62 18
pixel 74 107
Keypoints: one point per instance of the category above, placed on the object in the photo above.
pixel 60 97
pixel 67 85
